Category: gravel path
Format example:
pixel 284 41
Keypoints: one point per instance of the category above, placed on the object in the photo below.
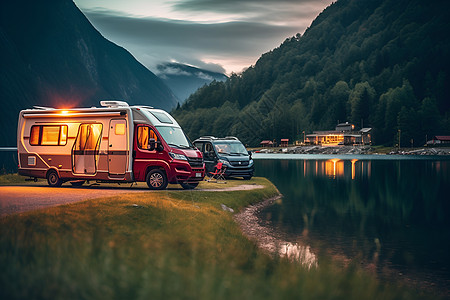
pixel 17 199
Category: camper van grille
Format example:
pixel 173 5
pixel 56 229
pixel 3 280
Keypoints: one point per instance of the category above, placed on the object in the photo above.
pixel 239 163
pixel 195 162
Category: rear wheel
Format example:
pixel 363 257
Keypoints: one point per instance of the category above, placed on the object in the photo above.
pixel 156 179
pixel 189 186
pixel 53 179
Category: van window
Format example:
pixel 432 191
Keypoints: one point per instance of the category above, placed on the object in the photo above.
pixel 88 138
pixel 230 147
pixel 144 134
pixel 162 117
pixel 120 129
pixel 85 151
pixel 48 135
pixel 199 146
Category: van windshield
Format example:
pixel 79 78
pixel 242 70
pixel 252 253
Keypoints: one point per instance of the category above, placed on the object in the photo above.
pixel 174 136
pixel 230 147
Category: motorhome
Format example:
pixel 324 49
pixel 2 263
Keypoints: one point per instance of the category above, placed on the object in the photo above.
pixel 112 143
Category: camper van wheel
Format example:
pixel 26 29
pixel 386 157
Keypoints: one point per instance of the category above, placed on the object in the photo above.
pixel 189 186
pixel 53 178
pixel 156 179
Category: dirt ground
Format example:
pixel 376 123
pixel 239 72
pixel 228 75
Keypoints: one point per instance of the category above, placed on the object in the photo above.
pixel 17 199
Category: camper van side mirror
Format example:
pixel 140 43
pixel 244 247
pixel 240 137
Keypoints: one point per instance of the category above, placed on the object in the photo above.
pixel 151 144
pixel 155 145
pixel 159 146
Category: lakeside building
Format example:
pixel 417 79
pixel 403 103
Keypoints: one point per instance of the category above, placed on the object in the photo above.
pixel 266 143
pixel 344 134
pixel 439 140
pixel 284 142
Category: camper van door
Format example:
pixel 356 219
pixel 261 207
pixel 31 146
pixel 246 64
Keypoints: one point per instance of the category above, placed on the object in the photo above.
pixel 118 150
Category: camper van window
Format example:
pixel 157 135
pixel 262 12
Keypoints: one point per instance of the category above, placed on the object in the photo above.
pixel 48 135
pixel 162 117
pixel 34 135
pixel 88 137
pixel 120 129
pixel 144 134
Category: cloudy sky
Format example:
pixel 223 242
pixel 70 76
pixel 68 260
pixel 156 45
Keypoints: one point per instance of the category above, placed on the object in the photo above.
pixel 217 35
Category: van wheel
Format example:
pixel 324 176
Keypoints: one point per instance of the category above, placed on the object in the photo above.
pixel 189 186
pixel 53 179
pixel 156 179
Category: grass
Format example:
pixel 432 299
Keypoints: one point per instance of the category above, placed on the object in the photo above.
pixel 162 245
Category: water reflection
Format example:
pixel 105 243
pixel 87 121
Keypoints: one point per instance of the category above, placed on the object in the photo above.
pixel 391 214
pixel 335 168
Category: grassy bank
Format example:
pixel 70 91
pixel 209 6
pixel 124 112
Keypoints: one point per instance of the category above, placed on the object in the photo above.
pixel 161 245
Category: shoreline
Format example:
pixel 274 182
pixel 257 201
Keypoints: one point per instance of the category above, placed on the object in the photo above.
pixel 356 150
pixel 268 239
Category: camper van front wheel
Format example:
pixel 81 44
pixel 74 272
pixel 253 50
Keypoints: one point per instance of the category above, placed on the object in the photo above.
pixel 156 179
pixel 53 178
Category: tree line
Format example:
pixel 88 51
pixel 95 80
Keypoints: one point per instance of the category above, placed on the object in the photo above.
pixel 382 64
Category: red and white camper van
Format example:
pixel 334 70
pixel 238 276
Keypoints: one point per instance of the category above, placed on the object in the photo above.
pixel 112 143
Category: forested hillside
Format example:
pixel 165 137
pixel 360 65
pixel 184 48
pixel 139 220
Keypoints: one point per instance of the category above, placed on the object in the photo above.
pixel 381 63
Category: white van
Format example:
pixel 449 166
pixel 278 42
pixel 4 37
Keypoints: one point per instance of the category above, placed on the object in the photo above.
pixel 112 143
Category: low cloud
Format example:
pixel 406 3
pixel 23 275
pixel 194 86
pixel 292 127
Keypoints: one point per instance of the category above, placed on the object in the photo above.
pixel 259 26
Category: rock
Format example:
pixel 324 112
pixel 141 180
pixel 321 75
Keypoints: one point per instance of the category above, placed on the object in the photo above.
pixel 226 208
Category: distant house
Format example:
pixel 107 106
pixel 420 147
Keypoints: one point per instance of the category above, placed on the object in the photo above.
pixel 266 143
pixel 344 134
pixel 439 140
pixel 284 142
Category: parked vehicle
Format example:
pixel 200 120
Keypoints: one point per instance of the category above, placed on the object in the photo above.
pixel 112 143
pixel 229 151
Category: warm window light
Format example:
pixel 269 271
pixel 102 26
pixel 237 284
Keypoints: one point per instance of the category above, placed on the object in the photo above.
pixel 120 129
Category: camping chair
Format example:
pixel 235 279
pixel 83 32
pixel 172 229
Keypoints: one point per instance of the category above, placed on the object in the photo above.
pixel 218 174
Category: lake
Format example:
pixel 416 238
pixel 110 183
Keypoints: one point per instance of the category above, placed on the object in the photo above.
pixel 389 213
pixel 8 160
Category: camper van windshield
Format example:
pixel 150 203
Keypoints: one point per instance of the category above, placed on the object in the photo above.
pixel 230 147
pixel 174 136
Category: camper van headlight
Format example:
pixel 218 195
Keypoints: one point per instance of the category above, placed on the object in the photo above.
pixel 225 162
pixel 177 156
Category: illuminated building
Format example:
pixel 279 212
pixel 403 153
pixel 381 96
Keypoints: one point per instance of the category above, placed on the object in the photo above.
pixel 344 134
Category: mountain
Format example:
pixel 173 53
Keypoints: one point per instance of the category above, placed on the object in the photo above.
pixel 51 55
pixel 184 80
pixel 383 64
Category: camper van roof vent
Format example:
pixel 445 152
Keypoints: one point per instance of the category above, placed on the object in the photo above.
pixel 113 103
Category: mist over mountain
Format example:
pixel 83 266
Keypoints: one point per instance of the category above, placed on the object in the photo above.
pixel 184 80
pixel 383 64
pixel 51 55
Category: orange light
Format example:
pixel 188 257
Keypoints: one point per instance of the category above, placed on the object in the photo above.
pixel 334 167
pixel 64 112
pixel 353 168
